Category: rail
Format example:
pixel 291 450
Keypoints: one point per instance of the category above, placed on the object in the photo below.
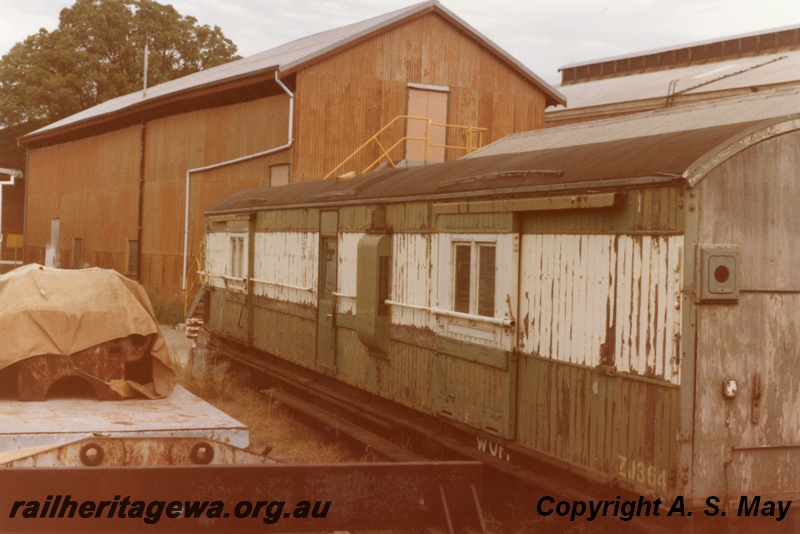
pixel 409 306
pixel 255 280
pixel 470 143
pixel 276 284
pixel 223 277
pixel 501 321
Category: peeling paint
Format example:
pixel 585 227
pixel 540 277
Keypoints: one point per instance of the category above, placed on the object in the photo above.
pixel 602 300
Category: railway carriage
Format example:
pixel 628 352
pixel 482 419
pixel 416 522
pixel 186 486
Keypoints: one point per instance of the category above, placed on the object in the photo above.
pixel 622 307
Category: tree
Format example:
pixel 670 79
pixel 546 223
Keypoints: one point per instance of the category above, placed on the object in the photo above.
pixel 97 53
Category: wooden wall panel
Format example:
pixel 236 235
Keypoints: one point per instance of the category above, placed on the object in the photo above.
pixel 358 90
pixel 295 220
pixel 623 428
pixel 651 210
pixel 360 218
pixel 410 217
pixel 406 377
pixel 754 342
pixel 411 283
pixel 92 186
pixel 197 139
pixel 479 395
pixel 272 329
pixel 603 299
pixel 353 363
pixel 347 272
pixel 750 201
pixel 285 266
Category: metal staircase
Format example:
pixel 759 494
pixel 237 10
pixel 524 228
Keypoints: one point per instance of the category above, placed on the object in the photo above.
pixel 193 301
pixel 471 140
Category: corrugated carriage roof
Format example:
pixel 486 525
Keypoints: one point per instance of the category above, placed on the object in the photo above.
pixel 657 157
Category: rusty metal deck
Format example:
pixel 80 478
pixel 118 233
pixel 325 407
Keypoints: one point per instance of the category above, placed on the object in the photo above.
pixel 181 414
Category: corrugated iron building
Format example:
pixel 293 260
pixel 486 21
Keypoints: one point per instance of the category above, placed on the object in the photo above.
pixel 108 186
pixel 708 70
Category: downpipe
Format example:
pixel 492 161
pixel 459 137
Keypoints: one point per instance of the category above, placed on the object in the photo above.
pixel 190 172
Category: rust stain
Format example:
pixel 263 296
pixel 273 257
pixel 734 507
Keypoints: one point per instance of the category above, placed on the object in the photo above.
pixel 98 365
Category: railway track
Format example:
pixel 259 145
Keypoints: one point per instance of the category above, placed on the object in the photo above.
pixel 395 434
pixel 376 433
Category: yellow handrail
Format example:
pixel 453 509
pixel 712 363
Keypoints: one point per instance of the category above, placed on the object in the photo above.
pixel 197 280
pixel 468 147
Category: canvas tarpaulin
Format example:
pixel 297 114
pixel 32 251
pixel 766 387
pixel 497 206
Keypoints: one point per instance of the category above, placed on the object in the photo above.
pixel 61 312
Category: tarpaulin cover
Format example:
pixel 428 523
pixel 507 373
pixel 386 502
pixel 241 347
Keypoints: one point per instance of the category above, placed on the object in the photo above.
pixel 55 311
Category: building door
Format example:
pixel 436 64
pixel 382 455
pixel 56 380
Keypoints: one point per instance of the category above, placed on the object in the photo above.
pixel 51 250
pixel 431 104
pixel 328 283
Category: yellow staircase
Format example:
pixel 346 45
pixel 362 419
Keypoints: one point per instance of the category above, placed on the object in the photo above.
pixel 472 137
pixel 193 301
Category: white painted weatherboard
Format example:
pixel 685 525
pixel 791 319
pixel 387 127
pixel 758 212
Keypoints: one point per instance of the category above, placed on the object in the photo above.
pixel 411 280
pixel 575 289
pixel 285 267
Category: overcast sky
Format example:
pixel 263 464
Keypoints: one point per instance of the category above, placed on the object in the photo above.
pixel 543 34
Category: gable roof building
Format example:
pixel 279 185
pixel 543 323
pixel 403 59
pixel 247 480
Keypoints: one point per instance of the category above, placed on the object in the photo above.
pixel 124 184
pixel 679 75
pixel 285 60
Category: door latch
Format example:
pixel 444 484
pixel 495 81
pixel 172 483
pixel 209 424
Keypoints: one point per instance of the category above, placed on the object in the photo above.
pixel 755 399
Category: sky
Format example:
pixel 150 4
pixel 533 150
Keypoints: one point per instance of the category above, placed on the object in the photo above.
pixel 543 34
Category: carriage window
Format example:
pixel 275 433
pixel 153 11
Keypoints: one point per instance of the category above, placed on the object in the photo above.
pixel 329 272
pixel 486 270
pixel 462 278
pixel 237 257
pixel 474 278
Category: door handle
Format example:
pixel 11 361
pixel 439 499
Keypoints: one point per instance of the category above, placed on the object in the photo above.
pixel 755 399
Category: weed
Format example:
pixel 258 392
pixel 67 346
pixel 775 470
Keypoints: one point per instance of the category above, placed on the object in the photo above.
pixel 272 425
pixel 168 310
